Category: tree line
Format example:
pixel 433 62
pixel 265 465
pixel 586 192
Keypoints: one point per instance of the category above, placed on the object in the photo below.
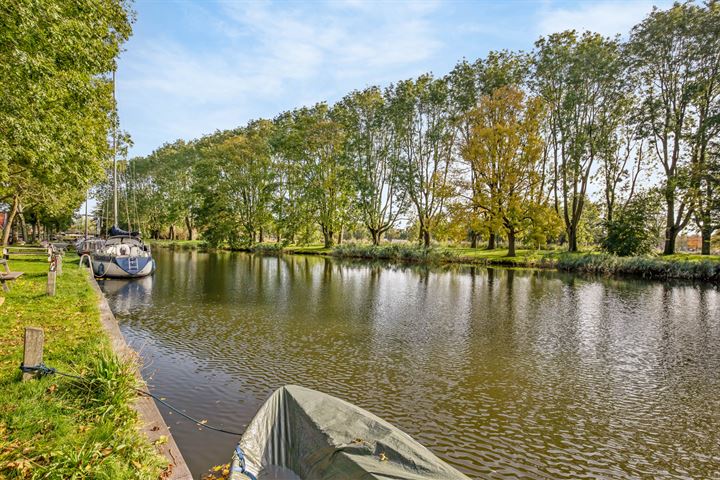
pixel 508 147
pixel 57 107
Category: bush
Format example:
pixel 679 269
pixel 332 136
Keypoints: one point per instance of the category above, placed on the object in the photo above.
pixel 267 249
pixel 632 232
pixel 403 253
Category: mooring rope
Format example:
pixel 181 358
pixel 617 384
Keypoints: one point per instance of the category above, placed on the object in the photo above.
pixel 43 370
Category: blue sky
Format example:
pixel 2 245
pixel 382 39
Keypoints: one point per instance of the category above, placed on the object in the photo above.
pixel 193 67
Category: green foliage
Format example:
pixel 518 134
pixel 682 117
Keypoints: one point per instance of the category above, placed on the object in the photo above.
pixel 56 103
pixel 632 232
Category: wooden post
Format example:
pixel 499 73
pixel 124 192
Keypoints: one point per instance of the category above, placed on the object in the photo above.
pixel 52 277
pixel 59 264
pixel 33 355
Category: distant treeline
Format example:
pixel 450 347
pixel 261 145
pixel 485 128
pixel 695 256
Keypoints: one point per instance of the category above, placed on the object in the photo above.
pixel 507 147
pixel 57 108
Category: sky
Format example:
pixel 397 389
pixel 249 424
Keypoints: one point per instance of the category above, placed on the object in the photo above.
pixel 194 67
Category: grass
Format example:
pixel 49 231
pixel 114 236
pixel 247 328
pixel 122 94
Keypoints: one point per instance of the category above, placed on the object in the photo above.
pixel 56 427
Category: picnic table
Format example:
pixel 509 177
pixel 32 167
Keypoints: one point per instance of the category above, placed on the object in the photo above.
pixel 14 251
pixel 7 275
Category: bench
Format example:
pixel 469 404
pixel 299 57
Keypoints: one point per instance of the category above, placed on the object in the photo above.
pixel 36 251
pixel 7 275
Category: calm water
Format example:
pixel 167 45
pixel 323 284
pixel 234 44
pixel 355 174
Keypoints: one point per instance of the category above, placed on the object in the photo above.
pixel 503 373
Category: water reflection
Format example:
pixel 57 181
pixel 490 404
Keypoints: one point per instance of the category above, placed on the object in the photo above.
pixel 501 372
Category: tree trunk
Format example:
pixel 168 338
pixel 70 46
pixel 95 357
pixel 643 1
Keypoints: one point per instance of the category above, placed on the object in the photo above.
pixel 23 228
pixel 10 219
pixel 492 239
pixel 706 235
pixel 511 243
pixel 340 236
pixel 473 239
pixel 572 238
pixel 171 233
pixel 670 238
pixel 426 238
pixel 189 226
pixel 261 235
pixel 327 238
pixel 670 232
pixel 375 236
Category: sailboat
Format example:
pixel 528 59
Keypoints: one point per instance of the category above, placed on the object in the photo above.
pixel 123 255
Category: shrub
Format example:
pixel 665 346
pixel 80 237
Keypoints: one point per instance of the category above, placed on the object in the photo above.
pixel 267 249
pixel 632 231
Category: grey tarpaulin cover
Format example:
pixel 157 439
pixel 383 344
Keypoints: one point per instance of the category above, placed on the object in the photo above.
pixel 303 434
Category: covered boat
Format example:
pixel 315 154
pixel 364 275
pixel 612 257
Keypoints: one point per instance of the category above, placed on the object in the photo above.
pixel 302 434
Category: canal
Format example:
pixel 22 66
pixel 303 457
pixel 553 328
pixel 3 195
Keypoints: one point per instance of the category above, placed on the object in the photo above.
pixel 502 373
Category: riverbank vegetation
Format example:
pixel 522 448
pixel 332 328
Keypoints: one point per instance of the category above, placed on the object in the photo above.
pixel 57 427
pixel 584 142
pixel 681 266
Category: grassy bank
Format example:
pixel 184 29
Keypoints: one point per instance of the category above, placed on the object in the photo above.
pixel 56 427
pixel 685 266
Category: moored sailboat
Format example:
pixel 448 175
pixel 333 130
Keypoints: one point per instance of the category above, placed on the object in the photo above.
pixel 123 255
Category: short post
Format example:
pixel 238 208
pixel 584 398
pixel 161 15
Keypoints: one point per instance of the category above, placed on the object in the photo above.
pixel 33 356
pixel 59 264
pixel 52 276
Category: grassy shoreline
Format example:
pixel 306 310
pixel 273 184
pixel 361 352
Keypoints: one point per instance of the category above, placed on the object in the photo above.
pixel 56 427
pixel 680 266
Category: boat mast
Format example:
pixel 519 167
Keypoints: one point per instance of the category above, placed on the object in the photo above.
pixel 87 198
pixel 115 200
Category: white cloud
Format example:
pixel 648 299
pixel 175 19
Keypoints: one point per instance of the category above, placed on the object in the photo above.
pixel 606 17
pixel 269 58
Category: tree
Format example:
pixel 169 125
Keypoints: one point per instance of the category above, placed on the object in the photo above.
pixel 505 151
pixel 56 102
pixel 371 152
pixel 467 82
pixel 424 120
pixel 674 53
pixel 706 106
pixel 579 78
pixel 312 146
